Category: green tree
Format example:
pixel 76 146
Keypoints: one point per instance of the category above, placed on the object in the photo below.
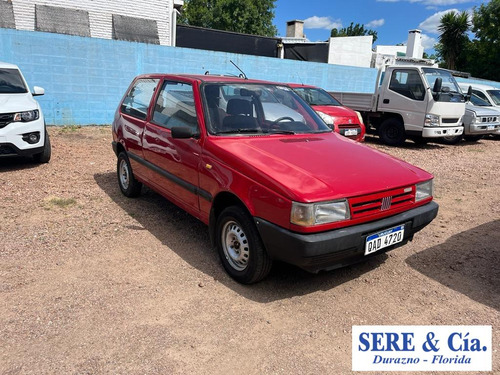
pixel 453 40
pixel 484 50
pixel 242 16
pixel 354 30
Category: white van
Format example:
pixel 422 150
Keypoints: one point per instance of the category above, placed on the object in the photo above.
pixel 22 125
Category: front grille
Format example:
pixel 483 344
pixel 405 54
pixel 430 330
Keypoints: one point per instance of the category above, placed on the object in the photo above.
pixel 6 119
pixel 449 120
pixel 386 201
pixel 489 119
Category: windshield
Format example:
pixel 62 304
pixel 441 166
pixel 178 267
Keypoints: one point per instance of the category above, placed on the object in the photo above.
pixel 246 108
pixel 476 100
pixel 11 82
pixel 495 95
pixel 449 88
pixel 315 96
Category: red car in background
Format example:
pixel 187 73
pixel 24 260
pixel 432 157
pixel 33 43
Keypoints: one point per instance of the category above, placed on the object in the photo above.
pixel 341 119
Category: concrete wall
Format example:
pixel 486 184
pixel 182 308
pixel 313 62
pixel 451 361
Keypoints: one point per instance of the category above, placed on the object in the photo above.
pixel 351 51
pixel 85 78
pixel 100 14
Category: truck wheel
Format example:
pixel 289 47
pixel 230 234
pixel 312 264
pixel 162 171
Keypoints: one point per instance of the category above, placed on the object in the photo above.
pixel 240 247
pixel 392 132
pixel 473 138
pixel 129 186
pixel 451 139
pixel 44 156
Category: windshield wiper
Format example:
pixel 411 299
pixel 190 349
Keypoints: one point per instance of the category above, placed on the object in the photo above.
pixel 239 131
pixel 277 131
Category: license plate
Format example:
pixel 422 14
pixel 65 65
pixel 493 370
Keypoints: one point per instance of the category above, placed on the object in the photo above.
pixel 348 132
pixel 491 127
pixel 377 241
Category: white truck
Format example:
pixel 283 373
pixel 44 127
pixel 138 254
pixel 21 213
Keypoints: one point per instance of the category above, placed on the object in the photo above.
pixel 416 102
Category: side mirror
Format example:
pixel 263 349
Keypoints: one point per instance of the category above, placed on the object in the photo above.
pixel 37 91
pixel 438 84
pixel 183 132
pixel 469 94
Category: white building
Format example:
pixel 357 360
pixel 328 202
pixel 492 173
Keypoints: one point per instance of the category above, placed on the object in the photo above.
pixel 150 21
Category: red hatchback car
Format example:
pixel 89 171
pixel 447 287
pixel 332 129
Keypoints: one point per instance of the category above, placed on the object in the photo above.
pixel 343 120
pixel 270 179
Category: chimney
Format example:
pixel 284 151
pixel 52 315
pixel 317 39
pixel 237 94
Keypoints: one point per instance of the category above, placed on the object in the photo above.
pixel 414 47
pixel 295 29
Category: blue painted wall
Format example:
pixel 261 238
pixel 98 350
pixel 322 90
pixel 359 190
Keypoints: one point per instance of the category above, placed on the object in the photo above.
pixel 85 78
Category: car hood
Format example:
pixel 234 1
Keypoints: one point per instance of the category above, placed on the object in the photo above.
pixel 309 168
pixel 335 111
pixel 482 111
pixel 17 103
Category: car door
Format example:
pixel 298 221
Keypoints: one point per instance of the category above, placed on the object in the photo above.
pixel 173 162
pixel 133 113
pixel 405 94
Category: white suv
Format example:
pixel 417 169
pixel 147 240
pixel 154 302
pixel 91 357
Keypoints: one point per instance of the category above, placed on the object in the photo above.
pixel 22 126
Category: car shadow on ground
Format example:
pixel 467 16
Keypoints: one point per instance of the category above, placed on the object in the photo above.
pixel 163 219
pixel 409 144
pixel 467 263
pixel 16 163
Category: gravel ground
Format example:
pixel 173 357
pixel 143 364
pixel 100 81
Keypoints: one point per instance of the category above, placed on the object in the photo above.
pixel 94 283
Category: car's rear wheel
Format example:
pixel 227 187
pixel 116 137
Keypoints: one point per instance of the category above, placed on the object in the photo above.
pixel 44 156
pixel 129 186
pixel 392 132
pixel 240 248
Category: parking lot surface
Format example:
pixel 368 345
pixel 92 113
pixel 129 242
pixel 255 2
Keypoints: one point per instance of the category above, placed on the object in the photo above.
pixel 92 282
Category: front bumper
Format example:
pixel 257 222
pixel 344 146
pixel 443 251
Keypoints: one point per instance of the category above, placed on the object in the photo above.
pixel 11 137
pixel 478 129
pixel 440 131
pixel 340 247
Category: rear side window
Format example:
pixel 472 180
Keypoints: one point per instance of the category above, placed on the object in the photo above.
pixel 407 83
pixel 11 82
pixel 175 106
pixel 137 101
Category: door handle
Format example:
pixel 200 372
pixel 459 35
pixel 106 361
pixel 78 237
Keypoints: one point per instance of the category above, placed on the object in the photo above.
pixel 386 101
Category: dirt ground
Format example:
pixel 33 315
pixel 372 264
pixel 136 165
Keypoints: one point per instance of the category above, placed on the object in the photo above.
pixel 94 283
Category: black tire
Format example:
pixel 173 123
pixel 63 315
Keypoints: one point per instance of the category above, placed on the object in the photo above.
pixel 392 132
pixel 473 138
pixel 240 248
pixel 44 156
pixel 129 186
pixel 452 139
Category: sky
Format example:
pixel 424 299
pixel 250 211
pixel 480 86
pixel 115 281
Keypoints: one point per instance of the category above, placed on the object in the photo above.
pixel 391 19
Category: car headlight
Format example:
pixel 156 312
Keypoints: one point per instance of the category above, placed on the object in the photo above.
pixel 475 119
pixel 308 214
pixel 431 120
pixel 360 118
pixel 424 190
pixel 27 116
pixel 326 118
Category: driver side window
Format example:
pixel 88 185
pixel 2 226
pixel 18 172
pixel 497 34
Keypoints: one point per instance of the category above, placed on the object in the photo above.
pixel 407 83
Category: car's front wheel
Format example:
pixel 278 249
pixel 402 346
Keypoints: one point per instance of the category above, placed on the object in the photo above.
pixel 129 186
pixel 452 139
pixel 240 248
pixel 44 156
pixel 392 132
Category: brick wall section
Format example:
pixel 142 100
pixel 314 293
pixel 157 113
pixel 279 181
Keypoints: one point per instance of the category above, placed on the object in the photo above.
pixel 100 14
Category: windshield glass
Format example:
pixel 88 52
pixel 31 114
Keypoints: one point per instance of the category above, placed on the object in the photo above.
pixel 246 108
pixel 11 82
pixel 495 95
pixel 314 96
pixel 476 100
pixel 449 86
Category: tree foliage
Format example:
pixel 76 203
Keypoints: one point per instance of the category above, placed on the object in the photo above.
pixel 354 30
pixel 484 50
pixel 453 38
pixel 243 16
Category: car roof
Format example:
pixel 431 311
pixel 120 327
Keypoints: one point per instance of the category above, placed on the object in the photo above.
pixel 4 65
pixel 206 78
pixel 298 85
pixel 475 86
